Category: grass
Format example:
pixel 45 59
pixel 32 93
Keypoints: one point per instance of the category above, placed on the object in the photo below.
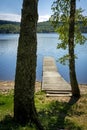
pixel 53 114
pixel 6 104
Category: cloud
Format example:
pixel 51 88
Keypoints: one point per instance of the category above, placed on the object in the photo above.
pixel 43 18
pixel 10 17
pixel 17 18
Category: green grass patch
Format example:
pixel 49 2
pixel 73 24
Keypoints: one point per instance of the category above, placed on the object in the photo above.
pixel 53 114
pixel 6 104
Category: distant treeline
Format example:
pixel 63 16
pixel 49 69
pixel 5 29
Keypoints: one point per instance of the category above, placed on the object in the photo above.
pixel 42 27
pixel 9 27
pixel 45 27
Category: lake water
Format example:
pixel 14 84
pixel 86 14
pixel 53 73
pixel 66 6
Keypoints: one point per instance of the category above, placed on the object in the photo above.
pixel 46 47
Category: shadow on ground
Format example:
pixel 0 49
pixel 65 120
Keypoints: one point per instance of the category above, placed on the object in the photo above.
pixel 8 124
pixel 54 117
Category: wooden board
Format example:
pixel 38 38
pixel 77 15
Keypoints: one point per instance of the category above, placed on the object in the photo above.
pixel 52 81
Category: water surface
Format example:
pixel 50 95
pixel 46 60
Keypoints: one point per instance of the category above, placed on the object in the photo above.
pixel 46 47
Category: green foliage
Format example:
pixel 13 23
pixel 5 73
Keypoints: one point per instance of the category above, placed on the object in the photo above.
pixel 64 60
pixel 14 27
pixel 60 21
pixel 42 27
pixel 6 104
pixel 9 27
pixel 52 113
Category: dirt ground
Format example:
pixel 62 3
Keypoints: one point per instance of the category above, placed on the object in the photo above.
pixel 5 86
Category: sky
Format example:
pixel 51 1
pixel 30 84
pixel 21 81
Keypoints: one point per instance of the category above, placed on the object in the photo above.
pixel 11 9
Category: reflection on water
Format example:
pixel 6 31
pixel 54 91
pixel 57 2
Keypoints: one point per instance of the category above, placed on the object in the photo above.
pixel 46 47
pixel 8 51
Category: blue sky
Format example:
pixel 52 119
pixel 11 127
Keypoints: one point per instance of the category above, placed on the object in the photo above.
pixel 11 9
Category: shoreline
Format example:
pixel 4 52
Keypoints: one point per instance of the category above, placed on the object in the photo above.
pixel 5 86
pixel 10 81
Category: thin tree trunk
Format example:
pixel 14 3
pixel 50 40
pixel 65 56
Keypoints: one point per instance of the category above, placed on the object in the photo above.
pixel 24 106
pixel 73 80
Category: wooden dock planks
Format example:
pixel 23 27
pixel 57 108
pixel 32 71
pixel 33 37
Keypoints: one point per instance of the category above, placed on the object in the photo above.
pixel 52 82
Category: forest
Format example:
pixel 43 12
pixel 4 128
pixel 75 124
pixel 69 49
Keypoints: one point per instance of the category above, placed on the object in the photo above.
pixel 42 27
pixel 9 27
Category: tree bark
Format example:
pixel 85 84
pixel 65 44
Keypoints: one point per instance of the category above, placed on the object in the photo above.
pixel 24 106
pixel 73 79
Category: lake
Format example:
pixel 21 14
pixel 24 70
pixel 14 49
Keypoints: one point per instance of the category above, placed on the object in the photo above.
pixel 46 46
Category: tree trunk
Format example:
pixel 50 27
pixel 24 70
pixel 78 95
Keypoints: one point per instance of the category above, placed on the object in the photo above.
pixel 73 80
pixel 24 106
